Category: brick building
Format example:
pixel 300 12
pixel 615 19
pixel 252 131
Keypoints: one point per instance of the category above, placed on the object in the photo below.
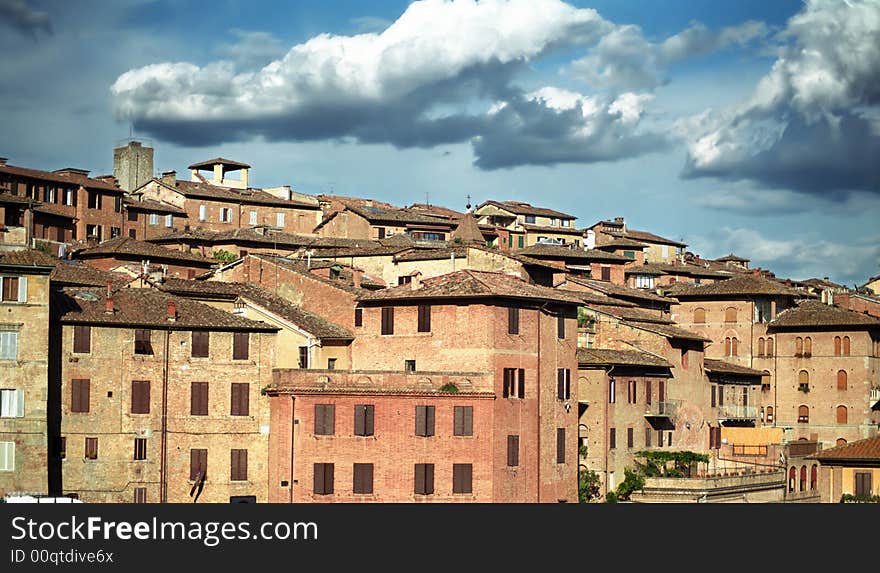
pixel 850 469
pixel 460 390
pixel 156 390
pixel 24 371
pixel 132 255
pixel 376 221
pixel 518 225
pixel 658 249
pixel 591 263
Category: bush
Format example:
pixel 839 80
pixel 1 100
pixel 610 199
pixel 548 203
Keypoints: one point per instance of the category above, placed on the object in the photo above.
pixel 610 497
pixel 450 387
pixel 850 498
pixel 588 486
pixel 632 481
pixel 224 256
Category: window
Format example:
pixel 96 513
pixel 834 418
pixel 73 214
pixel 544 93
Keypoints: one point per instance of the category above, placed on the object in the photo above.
pixel 841 414
pixel 648 433
pixel 463 423
pixel 240 345
pixel 462 478
pixel 792 478
pixel 140 449
pixel 512 320
pixel 363 478
pixel 644 281
pixel 629 254
pixel 169 220
pixel 154 218
pixel 735 346
pixel 358 317
pixel 841 379
pixel 279 220
pixel 803 478
pixel 225 215
pixel 804 381
pixel 661 390
pixel 252 218
pixel 769 414
pixel 140 396
pixel 606 273
pixel 521 241
pixel 714 438
pixel 720 395
pixel 803 414
pixel 200 343
pixel 82 339
pixel 631 388
pixel 424 479
pixel 846 345
pixel 240 399
pixel 560 327
pixel 862 485
pixel 612 391
pixel 514 383
pixel 837 346
pixel 761 347
pixel 660 438
pixel 131 216
pixel 14 289
pixel 363 419
pixel 142 344
pixel 425 421
pixel 612 438
pixel 238 465
pixel 512 451
pixel 203 213
pixel 79 395
pixel 699 316
pixel 424 318
pixel 70 197
pixel 730 314
pixel 563 383
pixel 799 347
pixel 198 463
pixel 840 442
pixel 94 199
pixel 91 452
pixel 769 347
pixel 647 391
pixel 198 401
pixel 388 320
pixel 115 232
pixel 814 477
pixel 117 204
pixel 11 403
pixel 140 495
pixel 530 219
pixel 132 234
pixel 409 366
pixel 325 419
pixel 331 364
pixel 808 347
pixel 381 232
pixel 630 438
pixel 303 356
pixel 714 392
pixel 727 346
pixel 402 280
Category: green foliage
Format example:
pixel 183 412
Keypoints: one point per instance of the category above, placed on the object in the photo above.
pixel 632 481
pixel 610 497
pixel 585 319
pixel 656 463
pixel 44 246
pixel 449 387
pixel 850 498
pixel 224 256
pixel 582 451
pixel 588 486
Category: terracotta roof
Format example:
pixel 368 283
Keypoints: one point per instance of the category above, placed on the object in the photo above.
pixel 56 210
pixel 551 229
pixel 249 196
pixel 144 307
pixel 521 208
pixel 12 199
pixel 622 243
pixel 629 313
pixel 27 258
pixel 740 285
pixel 658 269
pixel 822 283
pixel 723 367
pixel 344 282
pixel 433 254
pixel 812 313
pixel 126 247
pixel 560 252
pixel 209 289
pixel 71 178
pixel 370 251
pixel 550 265
pixel 152 205
pixel 468 231
pixel 647 237
pixel 601 356
pixel 733 258
pixel 384 215
pixel 867 450
pixel 620 291
pixel 211 162
pixel 308 321
pixel 591 297
pixel 78 273
pixel 669 331
pixel 434 210
pixel 471 284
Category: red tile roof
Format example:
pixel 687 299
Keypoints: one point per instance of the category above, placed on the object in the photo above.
pixel 740 285
pixel 127 248
pixel 70 178
pixel 601 357
pixel 520 208
pixel 812 313
pixel 867 451
pixel 27 258
pixel 211 162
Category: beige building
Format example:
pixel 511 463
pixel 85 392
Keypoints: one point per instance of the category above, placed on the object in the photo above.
pixel 658 249
pixel 519 225
pixel 850 470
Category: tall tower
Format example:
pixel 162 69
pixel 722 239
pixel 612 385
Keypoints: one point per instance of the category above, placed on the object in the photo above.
pixel 132 165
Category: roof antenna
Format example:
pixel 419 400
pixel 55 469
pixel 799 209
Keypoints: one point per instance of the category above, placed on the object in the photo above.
pixel 427 199
pixel 468 206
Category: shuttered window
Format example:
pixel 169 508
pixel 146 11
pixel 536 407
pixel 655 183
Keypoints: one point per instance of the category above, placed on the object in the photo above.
pixel 10 289
pixel 424 479
pixel 563 384
pixel 841 379
pixel 424 318
pixel 198 462
pixel 804 414
pixel 661 390
pixel 140 396
pixel 647 391
pixel 512 320
pixel 8 344
pixel 464 421
pixel 323 483
pixel 560 445
pixel 238 460
pixel 325 419
pixel 630 438
pixel 358 317
pixel 699 316
pixel 91 448
pixel 713 400
pixel 140 495
pixel 200 340
pixel 862 484
pixel 82 339
pixel 560 327
pixel 198 403
pixel 388 320
pixel 837 346
pixel 363 478
pixel 606 273
pixel 612 438
pixel 462 478
pixel 648 436
pixel 79 395
pixel 7 456
pixel 425 421
pixel 841 415
pixel 846 345
pixel 240 346
pixel 142 343
pixel 11 403
pixel 240 399
pixel 631 392
pixel 140 448
pixel 512 451
pixel 363 419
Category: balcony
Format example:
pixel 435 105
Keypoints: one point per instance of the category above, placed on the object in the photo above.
pixel 667 409
pixel 737 412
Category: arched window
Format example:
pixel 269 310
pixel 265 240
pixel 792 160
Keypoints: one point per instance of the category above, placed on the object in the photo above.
pixel 760 347
pixel 841 379
pixel 837 346
pixel 792 477
pixel 735 346
pixel 840 442
pixel 808 347
pixel 846 345
pixel 804 381
pixel 730 314
pixel 769 347
pixel 814 477
pixel 799 346
pixel 727 346
pixel 699 316
pixel 803 478
pixel 803 414
pixel 841 414
pixel 769 414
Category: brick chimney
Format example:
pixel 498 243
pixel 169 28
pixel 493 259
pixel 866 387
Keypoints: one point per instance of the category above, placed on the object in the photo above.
pixel 357 276
pixel 172 310
pixel 416 282
pixel 169 178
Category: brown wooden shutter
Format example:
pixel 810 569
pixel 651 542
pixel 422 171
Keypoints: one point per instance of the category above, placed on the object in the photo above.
pixel 512 320
pixel 505 392
pixel 458 421
pixel 612 438
pixel 429 479
pixel 648 436
pixel 462 478
pixel 238 465
pixel 713 396
pixel 79 395
pixel 369 415
pixel 606 273
pixel 318 486
pixel 92 448
pixel 142 344
pixel 240 399
pixel 358 317
pixel 420 420
pixel 363 478
pixel 521 390
pixel 325 419
pixel 560 383
pixel 200 343
pixel 424 318
pixel 560 326
pixel 468 420
pixel 560 445
pixel 240 346
pixel 647 391
pixel 140 396
pixel 419 479
pixel 388 320
pixel 429 420
pixel 630 438
pixel 661 390
pixel 82 338
pixel 512 451
pixel 198 462
pixel 199 399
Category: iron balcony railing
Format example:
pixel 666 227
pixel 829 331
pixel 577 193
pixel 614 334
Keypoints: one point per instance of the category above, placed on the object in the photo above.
pixel 737 412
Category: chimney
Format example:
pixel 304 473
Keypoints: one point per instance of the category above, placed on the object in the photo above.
pixel 618 220
pixel 172 310
pixel 416 282
pixel 169 178
pixel 108 303
pixel 3 161
pixel 109 288
pixel 357 275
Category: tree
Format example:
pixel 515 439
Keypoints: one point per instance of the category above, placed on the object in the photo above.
pixel 588 485
pixel 632 481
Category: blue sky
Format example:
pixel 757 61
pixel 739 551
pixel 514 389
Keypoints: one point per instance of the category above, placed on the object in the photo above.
pixel 749 127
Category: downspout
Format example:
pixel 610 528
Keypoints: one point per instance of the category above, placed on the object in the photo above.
pixel 605 428
pixel 540 310
pixel 163 489
pixel 292 435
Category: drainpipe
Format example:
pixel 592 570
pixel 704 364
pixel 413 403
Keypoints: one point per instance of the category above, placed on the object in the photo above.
pixel 605 429
pixel 540 310
pixel 292 435
pixel 163 487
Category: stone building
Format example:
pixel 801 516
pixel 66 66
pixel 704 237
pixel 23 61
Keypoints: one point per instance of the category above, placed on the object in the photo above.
pixel 517 225
pixel 850 469
pixel 136 257
pixel 658 249
pixel 370 221
pixel 591 263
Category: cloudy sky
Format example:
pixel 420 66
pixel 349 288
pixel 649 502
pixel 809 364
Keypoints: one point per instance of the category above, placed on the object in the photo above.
pixel 747 126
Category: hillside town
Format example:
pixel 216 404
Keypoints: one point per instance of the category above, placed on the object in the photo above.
pixel 171 337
